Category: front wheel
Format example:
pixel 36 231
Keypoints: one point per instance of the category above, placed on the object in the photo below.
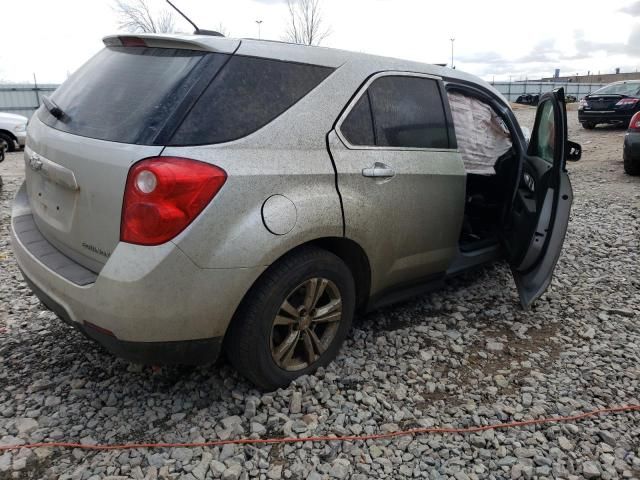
pixel 5 139
pixel 293 320
pixel 588 125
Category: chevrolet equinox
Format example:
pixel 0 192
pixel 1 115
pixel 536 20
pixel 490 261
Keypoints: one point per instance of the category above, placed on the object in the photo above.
pixel 187 195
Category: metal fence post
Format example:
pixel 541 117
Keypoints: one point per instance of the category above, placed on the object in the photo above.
pixel 35 89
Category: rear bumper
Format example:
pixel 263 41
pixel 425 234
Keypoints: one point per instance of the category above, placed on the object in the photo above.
pixel 632 146
pixel 147 304
pixel 186 352
pixel 605 117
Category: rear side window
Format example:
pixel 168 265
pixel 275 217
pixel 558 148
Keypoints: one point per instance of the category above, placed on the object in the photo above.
pixel 408 112
pixel 246 94
pixel 126 94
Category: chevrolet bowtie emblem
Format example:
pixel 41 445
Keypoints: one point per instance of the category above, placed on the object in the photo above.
pixel 35 163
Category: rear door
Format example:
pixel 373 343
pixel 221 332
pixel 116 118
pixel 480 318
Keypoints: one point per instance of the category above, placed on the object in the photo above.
pixel 540 214
pixel 401 179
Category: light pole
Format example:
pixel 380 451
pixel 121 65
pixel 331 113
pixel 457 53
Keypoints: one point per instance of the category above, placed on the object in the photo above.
pixel 259 22
pixel 452 40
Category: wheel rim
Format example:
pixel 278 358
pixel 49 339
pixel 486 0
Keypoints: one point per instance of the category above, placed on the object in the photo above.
pixel 306 324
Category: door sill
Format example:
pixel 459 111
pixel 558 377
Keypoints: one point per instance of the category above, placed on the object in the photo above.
pixel 470 259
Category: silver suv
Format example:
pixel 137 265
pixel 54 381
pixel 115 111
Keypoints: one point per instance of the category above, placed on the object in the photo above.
pixel 188 195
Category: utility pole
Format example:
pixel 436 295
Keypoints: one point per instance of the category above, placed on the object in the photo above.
pixel 259 22
pixel 452 40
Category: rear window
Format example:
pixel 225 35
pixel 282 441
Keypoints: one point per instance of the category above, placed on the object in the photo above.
pixel 629 89
pixel 247 94
pixel 162 96
pixel 126 94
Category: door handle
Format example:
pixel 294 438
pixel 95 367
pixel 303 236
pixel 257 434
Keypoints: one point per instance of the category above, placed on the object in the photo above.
pixel 379 170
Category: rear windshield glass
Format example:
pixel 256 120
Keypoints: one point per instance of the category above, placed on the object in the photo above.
pixel 126 94
pixel 246 94
pixel 629 89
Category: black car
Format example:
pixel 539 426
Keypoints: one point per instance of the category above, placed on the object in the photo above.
pixel 632 147
pixel 528 99
pixel 615 103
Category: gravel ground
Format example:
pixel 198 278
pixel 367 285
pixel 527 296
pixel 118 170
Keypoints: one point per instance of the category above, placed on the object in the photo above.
pixel 466 355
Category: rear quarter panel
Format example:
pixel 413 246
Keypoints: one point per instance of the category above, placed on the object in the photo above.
pixel 289 157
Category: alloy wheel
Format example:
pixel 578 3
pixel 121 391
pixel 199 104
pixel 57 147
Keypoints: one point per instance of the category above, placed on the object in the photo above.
pixel 306 324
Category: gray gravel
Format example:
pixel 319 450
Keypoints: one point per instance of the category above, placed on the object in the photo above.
pixel 466 355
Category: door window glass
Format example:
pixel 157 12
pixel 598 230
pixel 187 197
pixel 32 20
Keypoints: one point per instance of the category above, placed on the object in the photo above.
pixel 545 137
pixel 398 111
pixel 408 112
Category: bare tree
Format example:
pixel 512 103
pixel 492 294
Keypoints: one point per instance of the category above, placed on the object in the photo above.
pixel 222 28
pixel 306 25
pixel 137 17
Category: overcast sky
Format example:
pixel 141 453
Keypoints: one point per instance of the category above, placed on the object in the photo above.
pixel 493 38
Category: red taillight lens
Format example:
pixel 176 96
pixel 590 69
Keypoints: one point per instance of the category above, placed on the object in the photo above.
pixel 163 195
pixel 627 102
pixel 634 125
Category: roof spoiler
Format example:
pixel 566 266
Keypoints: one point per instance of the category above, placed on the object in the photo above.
pixel 203 41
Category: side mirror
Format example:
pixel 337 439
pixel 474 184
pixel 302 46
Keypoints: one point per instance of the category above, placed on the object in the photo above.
pixel 575 151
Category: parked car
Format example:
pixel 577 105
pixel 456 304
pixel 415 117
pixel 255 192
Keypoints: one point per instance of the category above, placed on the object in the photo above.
pixel 261 193
pixel 528 99
pixel 13 130
pixel 4 146
pixel 3 149
pixel 631 151
pixel 615 103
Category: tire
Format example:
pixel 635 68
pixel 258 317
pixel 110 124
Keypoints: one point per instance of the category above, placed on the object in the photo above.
pixel 631 167
pixel 588 125
pixel 253 341
pixel 10 142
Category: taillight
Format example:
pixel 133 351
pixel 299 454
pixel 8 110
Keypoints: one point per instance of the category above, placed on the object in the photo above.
pixel 132 42
pixel 634 125
pixel 163 195
pixel 627 102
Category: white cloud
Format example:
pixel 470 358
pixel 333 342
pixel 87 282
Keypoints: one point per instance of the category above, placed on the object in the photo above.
pixel 497 38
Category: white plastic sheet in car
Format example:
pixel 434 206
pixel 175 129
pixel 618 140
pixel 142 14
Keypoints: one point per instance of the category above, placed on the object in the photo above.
pixel 481 134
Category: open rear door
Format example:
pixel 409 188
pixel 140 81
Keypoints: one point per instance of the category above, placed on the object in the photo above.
pixel 540 214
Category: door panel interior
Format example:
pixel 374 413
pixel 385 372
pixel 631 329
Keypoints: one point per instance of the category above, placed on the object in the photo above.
pixel 540 213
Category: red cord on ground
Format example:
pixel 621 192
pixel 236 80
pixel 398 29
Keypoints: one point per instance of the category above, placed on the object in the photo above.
pixel 330 438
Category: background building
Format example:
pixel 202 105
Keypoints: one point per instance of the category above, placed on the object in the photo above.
pixel 595 78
